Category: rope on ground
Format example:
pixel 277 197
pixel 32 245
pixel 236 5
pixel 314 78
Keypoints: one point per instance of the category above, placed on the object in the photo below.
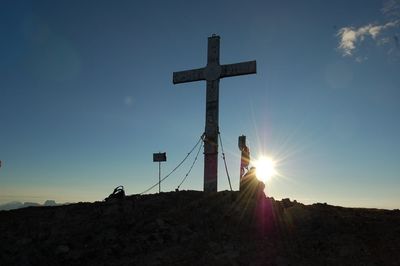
pixel 184 159
pixel 223 157
pixel 191 167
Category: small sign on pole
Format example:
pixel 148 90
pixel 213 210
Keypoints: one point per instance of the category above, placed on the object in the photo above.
pixel 159 157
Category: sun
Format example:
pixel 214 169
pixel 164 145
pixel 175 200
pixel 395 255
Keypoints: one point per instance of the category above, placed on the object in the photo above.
pixel 265 168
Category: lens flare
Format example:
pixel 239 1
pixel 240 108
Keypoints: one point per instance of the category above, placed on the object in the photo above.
pixel 265 168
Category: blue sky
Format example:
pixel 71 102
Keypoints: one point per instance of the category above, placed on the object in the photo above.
pixel 86 96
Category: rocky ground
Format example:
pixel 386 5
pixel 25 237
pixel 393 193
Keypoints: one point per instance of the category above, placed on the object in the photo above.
pixel 194 228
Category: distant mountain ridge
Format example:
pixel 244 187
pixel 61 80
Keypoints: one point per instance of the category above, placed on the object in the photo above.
pixel 18 205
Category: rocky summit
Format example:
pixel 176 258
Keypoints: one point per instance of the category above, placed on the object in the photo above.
pixel 195 228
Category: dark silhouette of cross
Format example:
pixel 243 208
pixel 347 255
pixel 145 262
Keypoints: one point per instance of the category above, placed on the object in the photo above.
pixel 212 73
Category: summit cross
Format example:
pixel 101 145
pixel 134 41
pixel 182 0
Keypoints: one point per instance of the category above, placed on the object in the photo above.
pixel 212 73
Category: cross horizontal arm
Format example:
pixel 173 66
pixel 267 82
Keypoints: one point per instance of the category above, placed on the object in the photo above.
pixel 188 76
pixel 238 69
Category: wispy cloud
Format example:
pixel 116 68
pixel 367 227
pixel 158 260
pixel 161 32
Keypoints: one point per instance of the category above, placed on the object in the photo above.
pixel 350 37
pixel 391 8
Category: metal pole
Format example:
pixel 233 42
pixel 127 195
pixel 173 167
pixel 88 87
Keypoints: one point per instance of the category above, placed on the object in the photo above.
pixel 159 177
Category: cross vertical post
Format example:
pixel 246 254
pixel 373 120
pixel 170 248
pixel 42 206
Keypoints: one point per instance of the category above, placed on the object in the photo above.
pixel 213 70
